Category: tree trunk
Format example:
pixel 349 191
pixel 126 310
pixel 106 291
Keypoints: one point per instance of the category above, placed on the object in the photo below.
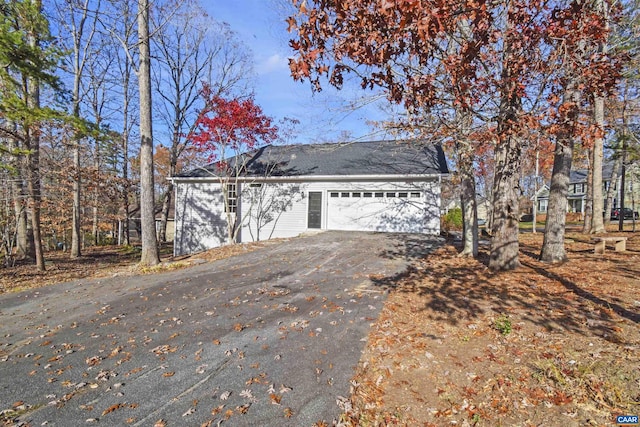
pixel 150 254
pixel 33 189
pixel 504 254
pixel 76 252
pixel 95 229
pixel 166 206
pixel 21 220
pixel 126 230
pixel 623 183
pixel 598 148
pixel 587 225
pixel 126 187
pixel 598 143
pixel 504 239
pixel 19 207
pixel 633 201
pixel 76 220
pixel 553 249
pixel 534 226
pixel 466 155
pixel 33 158
pixel 611 190
pixel 553 244
pixel 468 200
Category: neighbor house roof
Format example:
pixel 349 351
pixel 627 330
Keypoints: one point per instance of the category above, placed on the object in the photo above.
pixel 580 175
pixel 343 159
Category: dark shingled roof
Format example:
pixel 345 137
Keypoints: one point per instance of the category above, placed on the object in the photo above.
pixel 580 175
pixel 344 159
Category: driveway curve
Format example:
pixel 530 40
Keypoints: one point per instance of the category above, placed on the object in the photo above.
pixel 269 338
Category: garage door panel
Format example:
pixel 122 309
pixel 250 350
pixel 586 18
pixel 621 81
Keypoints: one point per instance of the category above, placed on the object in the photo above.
pixel 389 211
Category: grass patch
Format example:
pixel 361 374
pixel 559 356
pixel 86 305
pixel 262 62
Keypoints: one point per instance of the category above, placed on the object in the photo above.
pixel 605 383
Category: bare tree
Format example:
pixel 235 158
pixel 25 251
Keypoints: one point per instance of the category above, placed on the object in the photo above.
pixel 150 254
pixel 191 48
pixel 119 25
pixel 597 226
pixel 78 20
pixel 100 92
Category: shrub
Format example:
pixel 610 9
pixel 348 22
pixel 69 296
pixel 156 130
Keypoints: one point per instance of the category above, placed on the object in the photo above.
pixel 452 220
pixel 502 324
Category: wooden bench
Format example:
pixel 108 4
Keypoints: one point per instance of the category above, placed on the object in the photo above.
pixel 619 242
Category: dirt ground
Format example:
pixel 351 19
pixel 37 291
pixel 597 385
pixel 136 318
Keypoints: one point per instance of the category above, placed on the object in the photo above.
pixel 103 261
pixel 457 344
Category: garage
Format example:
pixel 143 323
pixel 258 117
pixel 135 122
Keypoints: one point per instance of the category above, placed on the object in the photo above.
pixel 376 209
pixel 284 191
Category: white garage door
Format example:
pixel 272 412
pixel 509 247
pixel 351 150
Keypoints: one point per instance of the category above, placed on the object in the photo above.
pixel 392 210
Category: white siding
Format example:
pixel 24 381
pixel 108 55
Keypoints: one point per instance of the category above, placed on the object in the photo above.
pixel 200 219
pixel 273 210
pixel 402 213
pixel 280 209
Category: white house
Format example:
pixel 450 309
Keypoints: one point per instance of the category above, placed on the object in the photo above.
pixel 283 191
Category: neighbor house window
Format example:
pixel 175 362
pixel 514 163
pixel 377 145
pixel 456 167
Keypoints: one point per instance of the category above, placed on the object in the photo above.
pixel 379 194
pixel 403 194
pixel 335 194
pixel 355 195
pixel 542 205
pixel 367 194
pixel 415 194
pixel 232 198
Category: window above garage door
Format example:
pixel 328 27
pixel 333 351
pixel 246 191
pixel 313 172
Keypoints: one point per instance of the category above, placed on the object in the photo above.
pixel 374 194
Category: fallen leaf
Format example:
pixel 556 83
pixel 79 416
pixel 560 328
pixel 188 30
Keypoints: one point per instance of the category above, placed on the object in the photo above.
pixel 217 410
pixel 285 389
pixel 242 409
pixel 275 398
pixel 112 408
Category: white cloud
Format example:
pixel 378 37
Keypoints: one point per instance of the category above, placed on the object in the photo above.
pixel 273 63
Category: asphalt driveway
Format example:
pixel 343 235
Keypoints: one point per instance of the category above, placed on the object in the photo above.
pixel 268 338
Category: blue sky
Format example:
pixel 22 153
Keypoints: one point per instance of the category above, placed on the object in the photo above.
pixel 323 116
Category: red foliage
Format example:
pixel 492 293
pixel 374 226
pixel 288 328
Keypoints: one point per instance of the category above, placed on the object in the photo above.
pixel 228 126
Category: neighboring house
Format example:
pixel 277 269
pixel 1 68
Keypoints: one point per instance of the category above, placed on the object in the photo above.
pixel 483 208
pixel 577 194
pixel 135 227
pixel 283 191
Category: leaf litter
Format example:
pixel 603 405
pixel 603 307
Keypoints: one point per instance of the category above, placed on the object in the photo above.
pixel 458 344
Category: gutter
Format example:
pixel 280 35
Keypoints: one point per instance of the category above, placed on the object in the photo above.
pixel 312 178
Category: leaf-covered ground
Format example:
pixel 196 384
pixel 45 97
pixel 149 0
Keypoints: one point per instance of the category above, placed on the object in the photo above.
pixel 104 261
pixel 545 345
